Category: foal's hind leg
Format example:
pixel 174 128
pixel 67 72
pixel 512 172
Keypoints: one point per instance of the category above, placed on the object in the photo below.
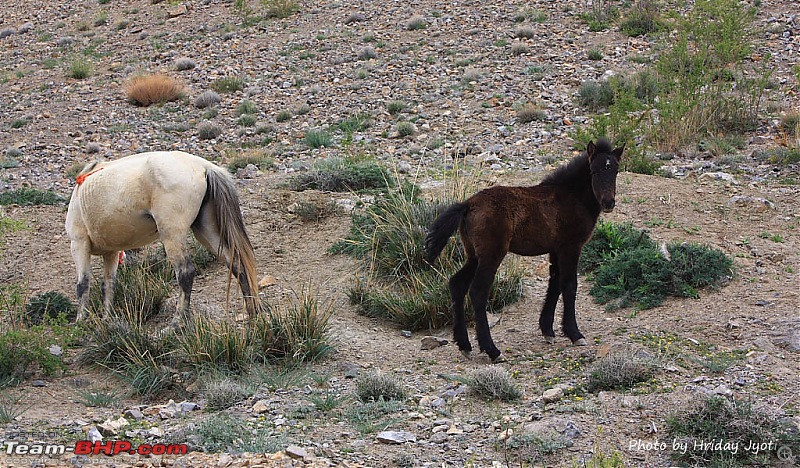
pixel 459 285
pixel 479 295
pixel 550 302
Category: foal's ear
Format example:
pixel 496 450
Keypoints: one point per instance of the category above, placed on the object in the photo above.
pixel 590 150
pixel 617 153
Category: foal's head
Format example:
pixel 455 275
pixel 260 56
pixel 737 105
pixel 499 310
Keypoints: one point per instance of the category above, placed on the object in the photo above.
pixel 604 164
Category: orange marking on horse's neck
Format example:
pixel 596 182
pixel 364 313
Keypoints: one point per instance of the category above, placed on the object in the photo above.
pixel 81 178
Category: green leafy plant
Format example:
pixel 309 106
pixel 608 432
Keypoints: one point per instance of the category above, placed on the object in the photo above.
pixel 343 175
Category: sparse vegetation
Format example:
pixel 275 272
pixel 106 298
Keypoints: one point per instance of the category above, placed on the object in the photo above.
pixel 621 370
pixel 228 84
pixel 736 422
pixel 208 130
pixel 493 383
pixel 207 99
pixel 317 139
pixel 343 175
pixel 416 22
pixel 30 197
pixel 79 69
pixel 144 90
pixel 378 386
pixel 530 112
pixel 50 305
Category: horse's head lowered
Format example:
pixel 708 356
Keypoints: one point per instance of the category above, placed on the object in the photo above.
pixel 604 165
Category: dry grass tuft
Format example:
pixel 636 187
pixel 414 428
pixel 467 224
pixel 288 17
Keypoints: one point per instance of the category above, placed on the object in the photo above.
pixel 144 90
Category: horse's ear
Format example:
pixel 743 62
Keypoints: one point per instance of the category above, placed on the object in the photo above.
pixel 617 153
pixel 590 149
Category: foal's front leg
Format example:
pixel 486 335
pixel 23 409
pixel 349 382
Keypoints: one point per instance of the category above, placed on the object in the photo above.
pixel 550 301
pixel 569 288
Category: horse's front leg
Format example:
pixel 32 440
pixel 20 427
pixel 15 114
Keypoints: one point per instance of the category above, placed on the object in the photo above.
pixel 110 264
pixel 550 301
pixel 83 266
pixel 568 269
pixel 459 285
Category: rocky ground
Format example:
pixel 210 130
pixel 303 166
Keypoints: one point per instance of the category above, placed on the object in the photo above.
pixel 460 81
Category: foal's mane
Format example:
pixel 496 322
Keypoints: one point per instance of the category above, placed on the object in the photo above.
pixel 577 167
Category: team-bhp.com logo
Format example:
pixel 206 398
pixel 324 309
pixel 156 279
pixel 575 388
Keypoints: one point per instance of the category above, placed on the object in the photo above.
pixel 88 447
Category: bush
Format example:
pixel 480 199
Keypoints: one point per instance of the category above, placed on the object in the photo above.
pixel 642 19
pixel 632 270
pixel 144 90
pixel 120 345
pixel 405 129
pixel 530 112
pixel 228 84
pixel 246 107
pixel 214 344
pixel 222 394
pixel 27 350
pixel 317 139
pixel 297 330
pixel 608 241
pixel 343 175
pixel 493 383
pixel 416 22
pixel 715 418
pixel 79 69
pixel 396 107
pixel 257 158
pixel 184 63
pixel 208 130
pixel 280 8
pixel 207 99
pixel 377 386
pixel 621 370
pixel 50 305
pixel 30 197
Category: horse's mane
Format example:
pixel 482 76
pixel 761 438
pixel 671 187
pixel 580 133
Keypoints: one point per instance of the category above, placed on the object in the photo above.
pixel 577 166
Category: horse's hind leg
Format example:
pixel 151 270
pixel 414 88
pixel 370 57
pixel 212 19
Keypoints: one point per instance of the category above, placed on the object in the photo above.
pixel 178 255
pixel 568 269
pixel 110 264
pixel 550 301
pixel 83 265
pixel 459 285
pixel 479 295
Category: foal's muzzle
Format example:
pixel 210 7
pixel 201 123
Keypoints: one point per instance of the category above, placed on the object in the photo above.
pixel 608 205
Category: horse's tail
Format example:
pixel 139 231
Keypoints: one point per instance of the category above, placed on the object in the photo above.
pixel 441 230
pixel 222 196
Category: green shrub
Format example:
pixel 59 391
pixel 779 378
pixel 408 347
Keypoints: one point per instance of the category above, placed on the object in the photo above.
pixel 283 116
pixel 246 107
pixel 79 69
pixel 642 19
pixel 30 197
pixel 228 84
pixel 224 433
pixel 736 422
pixel 639 273
pixel 396 107
pixel 280 8
pixel 343 175
pixel 296 330
pixel 416 22
pixel 317 139
pixel 257 158
pixel 219 345
pixel 208 130
pixel 98 398
pixel 405 129
pixel 247 120
pixel 10 408
pixel 24 351
pixel 608 241
pixel 51 305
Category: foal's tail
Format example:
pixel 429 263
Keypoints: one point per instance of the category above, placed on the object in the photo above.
pixel 441 230
pixel 224 203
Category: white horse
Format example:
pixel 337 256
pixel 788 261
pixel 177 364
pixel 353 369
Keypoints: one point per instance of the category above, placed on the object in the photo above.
pixel 136 200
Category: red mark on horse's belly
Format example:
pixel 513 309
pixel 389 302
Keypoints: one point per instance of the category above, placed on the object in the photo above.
pixel 81 178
